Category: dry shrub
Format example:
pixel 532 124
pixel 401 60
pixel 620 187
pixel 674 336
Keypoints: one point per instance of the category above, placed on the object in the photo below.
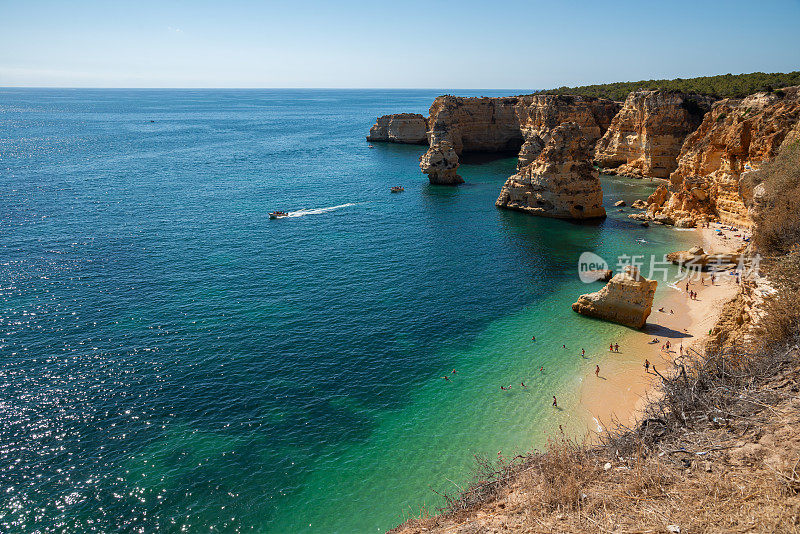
pixel 489 477
pixel 563 473
pixel 778 224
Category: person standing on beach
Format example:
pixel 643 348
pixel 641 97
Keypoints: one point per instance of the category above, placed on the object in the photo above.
pixel 616 347
pixel 647 366
pixel 555 402
pixel 597 371
pixel 583 353
pixel 611 348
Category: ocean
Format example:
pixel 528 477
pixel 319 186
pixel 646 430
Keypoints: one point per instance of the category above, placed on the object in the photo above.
pixel 173 360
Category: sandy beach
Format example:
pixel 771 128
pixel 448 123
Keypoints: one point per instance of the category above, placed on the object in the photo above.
pixel 619 393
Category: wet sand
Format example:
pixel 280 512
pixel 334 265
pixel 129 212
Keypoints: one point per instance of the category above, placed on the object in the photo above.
pixel 622 389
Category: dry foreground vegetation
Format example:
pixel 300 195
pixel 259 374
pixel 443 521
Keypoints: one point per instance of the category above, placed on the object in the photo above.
pixel 719 451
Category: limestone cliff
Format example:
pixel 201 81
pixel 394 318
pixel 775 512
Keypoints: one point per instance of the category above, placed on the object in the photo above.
pixel 475 124
pixel 409 128
pixel 541 114
pixel 627 299
pixel 514 125
pixel 645 137
pixel 758 195
pixel 560 182
pixel 734 137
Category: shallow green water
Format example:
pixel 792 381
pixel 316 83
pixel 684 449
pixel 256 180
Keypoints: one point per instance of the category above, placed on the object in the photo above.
pixel 170 358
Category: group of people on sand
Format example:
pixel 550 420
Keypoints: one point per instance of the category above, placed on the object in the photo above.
pixel 614 347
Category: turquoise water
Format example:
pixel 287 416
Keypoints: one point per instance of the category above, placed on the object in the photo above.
pixel 171 359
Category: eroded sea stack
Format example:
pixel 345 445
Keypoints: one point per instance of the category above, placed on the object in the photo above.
pixel 735 137
pixel 641 138
pixel 513 125
pixel 408 128
pixel 440 163
pixel 626 299
pixel 560 182
pixel 645 137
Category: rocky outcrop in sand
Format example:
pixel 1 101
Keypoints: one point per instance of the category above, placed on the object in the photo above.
pixel 645 137
pixel 734 137
pixel 440 163
pixel 697 259
pixel 560 182
pixel 627 299
pixel 408 128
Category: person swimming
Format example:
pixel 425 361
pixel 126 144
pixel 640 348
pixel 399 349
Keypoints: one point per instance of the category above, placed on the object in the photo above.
pixel 523 384
pixel 505 388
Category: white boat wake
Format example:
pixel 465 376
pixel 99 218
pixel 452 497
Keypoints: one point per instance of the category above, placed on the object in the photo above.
pixel 317 211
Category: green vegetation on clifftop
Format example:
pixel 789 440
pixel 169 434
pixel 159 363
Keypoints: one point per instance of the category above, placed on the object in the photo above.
pixel 723 86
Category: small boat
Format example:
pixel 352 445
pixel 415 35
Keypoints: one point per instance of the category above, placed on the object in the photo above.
pixel 278 214
pixel 396 189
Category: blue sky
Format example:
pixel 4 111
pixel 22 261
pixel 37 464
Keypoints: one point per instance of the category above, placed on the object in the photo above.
pixel 403 44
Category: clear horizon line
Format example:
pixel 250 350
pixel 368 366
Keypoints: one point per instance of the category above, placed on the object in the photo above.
pixel 272 88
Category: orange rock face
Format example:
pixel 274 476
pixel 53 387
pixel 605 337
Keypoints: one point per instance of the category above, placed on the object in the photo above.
pixel 734 137
pixel 645 137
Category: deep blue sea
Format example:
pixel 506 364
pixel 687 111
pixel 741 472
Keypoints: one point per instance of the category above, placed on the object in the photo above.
pixel 173 360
